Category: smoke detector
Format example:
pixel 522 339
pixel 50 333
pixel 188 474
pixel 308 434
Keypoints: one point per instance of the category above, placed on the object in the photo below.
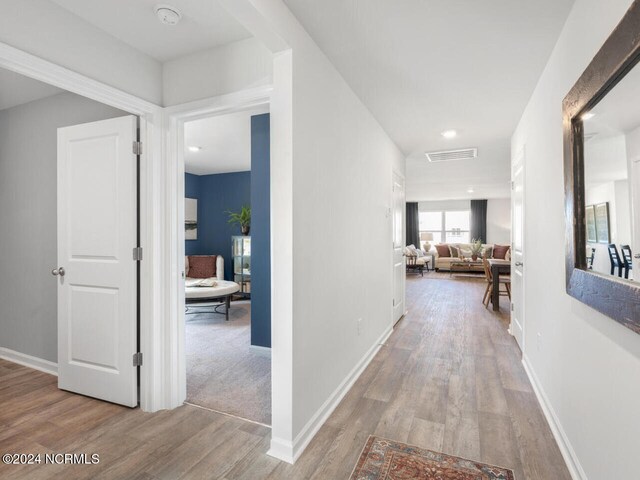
pixel 168 14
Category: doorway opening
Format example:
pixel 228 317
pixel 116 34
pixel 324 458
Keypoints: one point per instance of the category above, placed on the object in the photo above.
pixel 227 312
pixel 70 196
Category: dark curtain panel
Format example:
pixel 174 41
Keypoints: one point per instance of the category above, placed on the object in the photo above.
pixel 413 225
pixel 479 220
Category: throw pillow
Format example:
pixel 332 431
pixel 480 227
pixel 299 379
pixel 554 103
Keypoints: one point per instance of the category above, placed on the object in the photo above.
pixel 411 251
pixel 500 251
pixel 508 255
pixel 443 250
pixel 465 252
pixel 455 251
pixel 202 266
pixel 487 252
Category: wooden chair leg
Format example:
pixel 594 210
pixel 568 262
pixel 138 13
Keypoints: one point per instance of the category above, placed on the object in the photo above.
pixel 487 295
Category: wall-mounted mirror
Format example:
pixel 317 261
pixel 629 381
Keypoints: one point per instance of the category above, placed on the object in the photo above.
pixel 602 177
pixel 612 180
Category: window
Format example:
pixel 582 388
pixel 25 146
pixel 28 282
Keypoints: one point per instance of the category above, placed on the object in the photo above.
pixel 432 222
pixel 447 226
pixel 457 226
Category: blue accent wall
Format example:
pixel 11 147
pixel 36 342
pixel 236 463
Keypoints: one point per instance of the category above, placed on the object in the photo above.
pixel 230 191
pixel 216 194
pixel 260 232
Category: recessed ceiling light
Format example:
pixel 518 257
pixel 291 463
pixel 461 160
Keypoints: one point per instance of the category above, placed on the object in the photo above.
pixel 588 116
pixel 470 190
pixel 449 134
pixel 195 149
pixel 168 14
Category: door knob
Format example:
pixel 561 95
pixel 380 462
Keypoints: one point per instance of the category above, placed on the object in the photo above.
pixel 58 271
pixel 637 255
pixel 519 264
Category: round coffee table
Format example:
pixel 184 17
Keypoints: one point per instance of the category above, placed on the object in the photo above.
pixel 222 292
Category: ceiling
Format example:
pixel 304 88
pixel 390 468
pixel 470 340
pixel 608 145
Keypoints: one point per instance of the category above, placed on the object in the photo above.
pixel 225 142
pixel 615 116
pixel 204 24
pixel 617 112
pixel 16 89
pixel 425 66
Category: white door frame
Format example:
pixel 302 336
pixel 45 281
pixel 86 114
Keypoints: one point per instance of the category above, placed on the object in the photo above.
pixel 153 204
pixel 174 119
pixel 519 163
pixel 159 205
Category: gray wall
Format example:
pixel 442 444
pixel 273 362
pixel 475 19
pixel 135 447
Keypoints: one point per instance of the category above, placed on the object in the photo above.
pixel 28 246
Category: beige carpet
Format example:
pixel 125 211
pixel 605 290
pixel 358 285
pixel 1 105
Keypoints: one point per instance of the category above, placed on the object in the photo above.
pixel 223 372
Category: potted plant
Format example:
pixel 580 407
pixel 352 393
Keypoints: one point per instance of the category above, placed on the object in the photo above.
pixel 242 218
pixel 476 249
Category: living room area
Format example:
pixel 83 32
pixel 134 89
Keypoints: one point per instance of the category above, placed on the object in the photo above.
pixel 465 239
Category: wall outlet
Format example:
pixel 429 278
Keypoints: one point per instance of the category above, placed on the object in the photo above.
pixel 539 341
pixel 359 323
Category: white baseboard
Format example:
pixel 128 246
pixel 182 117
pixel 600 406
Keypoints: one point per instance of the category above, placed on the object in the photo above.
pixel 282 450
pixel 28 361
pixel 568 453
pixel 259 350
pixel 290 451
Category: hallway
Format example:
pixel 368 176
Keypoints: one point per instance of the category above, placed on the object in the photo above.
pixel 449 379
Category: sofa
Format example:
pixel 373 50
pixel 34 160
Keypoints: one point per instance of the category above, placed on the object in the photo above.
pixel 458 251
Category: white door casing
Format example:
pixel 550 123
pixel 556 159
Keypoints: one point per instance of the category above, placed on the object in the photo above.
pixel 517 247
pixel 398 219
pixel 634 193
pixel 97 232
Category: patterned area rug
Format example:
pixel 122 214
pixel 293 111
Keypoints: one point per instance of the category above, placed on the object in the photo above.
pixel 388 460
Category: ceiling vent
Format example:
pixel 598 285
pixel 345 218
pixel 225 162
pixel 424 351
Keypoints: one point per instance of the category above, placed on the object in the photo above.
pixel 450 155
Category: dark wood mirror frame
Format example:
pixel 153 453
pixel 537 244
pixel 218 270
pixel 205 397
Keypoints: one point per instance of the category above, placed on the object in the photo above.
pixel 614 297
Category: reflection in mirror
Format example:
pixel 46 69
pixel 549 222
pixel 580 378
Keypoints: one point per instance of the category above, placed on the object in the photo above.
pixel 612 180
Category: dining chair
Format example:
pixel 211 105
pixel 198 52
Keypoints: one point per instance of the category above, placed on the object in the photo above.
pixel 590 259
pixel 614 257
pixel 627 259
pixel 489 289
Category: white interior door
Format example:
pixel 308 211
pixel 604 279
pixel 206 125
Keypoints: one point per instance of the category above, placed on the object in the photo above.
pixel 517 258
pixel 96 271
pixel 399 270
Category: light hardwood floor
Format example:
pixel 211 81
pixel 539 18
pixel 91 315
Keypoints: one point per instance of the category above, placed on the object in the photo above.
pixel 449 379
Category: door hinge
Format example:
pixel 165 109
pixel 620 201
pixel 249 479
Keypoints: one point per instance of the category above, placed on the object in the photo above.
pixel 137 359
pixel 137 254
pixel 137 148
pixel 513 184
pixel 512 307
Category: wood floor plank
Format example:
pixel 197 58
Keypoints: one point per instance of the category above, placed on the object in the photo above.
pixel 489 391
pixel 449 379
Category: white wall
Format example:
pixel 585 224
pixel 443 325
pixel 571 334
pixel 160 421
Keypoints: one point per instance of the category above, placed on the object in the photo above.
pixel 342 163
pixel 444 205
pixel 225 69
pixel 499 221
pixel 44 29
pixel 28 198
pixel 586 365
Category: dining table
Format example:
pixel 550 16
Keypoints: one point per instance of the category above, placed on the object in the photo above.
pixel 498 267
